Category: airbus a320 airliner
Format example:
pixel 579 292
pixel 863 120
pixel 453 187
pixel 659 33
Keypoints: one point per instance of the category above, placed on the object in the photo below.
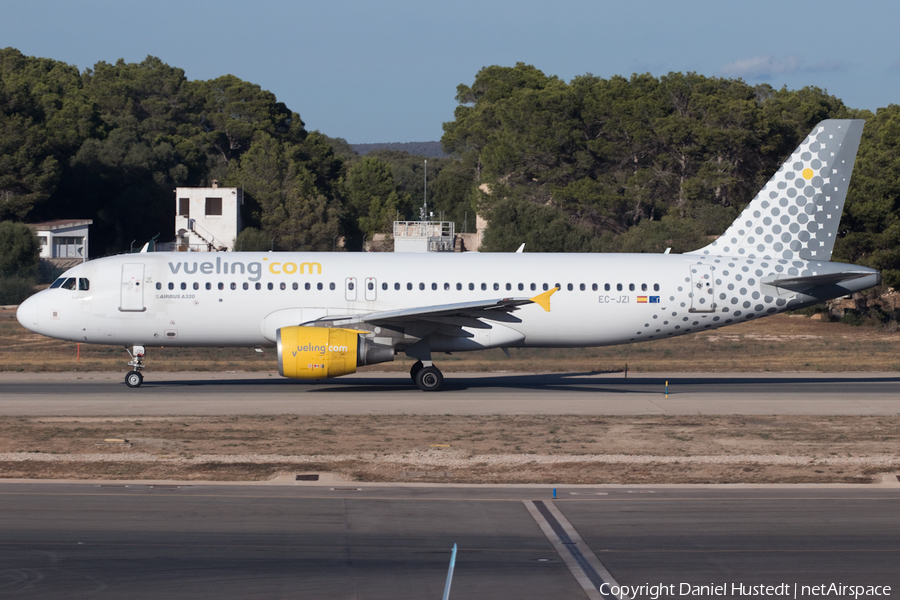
pixel 328 313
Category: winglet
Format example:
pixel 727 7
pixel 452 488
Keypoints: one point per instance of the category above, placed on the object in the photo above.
pixel 543 300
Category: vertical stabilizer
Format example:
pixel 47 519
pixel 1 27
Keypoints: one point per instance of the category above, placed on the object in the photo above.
pixel 796 214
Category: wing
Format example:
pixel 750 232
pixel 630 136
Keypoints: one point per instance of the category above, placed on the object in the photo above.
pixel 462 314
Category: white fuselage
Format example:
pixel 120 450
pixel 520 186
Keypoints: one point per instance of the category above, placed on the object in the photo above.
pixel 240 299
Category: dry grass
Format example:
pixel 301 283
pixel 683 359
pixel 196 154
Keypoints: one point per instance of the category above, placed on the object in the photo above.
pixel 460 449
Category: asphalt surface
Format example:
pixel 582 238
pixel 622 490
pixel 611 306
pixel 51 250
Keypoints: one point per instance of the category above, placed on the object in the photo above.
pixel 301 541
pixel 105 394
pixel 368 541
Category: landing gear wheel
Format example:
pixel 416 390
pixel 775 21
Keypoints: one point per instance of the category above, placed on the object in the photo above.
pixel 414 370
pixel 429 379
pixel 134 379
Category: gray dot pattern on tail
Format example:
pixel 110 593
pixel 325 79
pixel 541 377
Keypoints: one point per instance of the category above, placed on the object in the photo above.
pixel 796 215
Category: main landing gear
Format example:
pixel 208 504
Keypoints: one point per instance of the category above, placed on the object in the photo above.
pixel 134 378
pixel 428 377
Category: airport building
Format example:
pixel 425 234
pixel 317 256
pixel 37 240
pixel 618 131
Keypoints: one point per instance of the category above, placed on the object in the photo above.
pixel 63 241
pixel 206 219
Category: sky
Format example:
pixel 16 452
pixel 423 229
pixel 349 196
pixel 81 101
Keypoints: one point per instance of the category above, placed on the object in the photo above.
pixel 373 71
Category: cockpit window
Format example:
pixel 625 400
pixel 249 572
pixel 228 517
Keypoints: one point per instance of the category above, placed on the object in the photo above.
pixel 71 283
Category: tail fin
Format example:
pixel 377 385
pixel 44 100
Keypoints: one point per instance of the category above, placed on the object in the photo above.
pixel 796 214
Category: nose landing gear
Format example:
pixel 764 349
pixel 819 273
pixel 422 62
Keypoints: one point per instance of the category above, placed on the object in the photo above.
pixel 134 378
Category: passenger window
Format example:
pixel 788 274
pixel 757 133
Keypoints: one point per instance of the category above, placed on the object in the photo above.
pixel 295 286
pixel 483 287
pixel 319 286
pixel 370 285
pixel 546 286
pixel 630 287
pixel 581 287
pixel 258 286
pixel 196 286
pixel 307 286
pixel 570 287
pixel 270 286
pixel 471 287
pixel 158 285
pixel 221 286
pixel 233 285
pixel 434 286
pixel 458 286
pixel 496 287
pixel 349 285
pixel 594 287
pixel 183 285
pixel 508 287
pixel 446 287
pixel 208 285
pixel 421 286
pixel 283 286
pixel 619 287
pixel 606 286
pixel 331 286
pixel 396 286
pixel 643 287
pixel 171 286
pixel 384 286
pixel 246 286
pixel 409 286
pixel 533 287
pixel 521 286
pixel 655 287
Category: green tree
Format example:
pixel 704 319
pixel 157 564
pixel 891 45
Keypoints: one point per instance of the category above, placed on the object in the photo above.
pixel 44 117
pixel 291 208
pixel 19 249
pixel 612 154
pixel 870 228
pixel 370 200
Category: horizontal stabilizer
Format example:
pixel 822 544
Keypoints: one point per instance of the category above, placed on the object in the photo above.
pixel 800 284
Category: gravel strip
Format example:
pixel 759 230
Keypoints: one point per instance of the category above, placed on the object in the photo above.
pixel 456 460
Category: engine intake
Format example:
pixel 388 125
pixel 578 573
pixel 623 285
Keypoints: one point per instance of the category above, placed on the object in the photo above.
pixel 320 352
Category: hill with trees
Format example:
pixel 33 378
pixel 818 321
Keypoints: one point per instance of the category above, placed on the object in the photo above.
pixel 633 164
pixel 426 149
pixel 644 163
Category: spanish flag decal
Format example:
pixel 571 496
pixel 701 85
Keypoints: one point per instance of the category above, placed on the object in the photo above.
pixel 642 299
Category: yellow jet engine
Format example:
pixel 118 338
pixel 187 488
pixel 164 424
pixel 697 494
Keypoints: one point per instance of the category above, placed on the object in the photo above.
pixel 320 352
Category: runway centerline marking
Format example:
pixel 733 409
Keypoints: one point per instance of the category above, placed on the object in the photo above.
pixel 587 569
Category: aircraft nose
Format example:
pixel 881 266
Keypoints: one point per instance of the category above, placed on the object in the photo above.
pixel 27 314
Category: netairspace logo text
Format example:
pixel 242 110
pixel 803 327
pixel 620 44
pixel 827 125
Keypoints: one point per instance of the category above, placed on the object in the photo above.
pixel 732 590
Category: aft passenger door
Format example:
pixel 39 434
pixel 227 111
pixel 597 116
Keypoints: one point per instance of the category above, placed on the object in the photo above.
pixel 703 290
pixel 132 295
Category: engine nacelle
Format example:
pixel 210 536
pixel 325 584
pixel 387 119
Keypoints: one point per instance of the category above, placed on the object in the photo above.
pixel 320 352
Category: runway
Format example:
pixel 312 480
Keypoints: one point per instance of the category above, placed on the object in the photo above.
pixel 137 540
pixel 105 394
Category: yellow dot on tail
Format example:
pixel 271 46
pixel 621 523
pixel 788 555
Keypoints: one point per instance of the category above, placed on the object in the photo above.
pixel 808 173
